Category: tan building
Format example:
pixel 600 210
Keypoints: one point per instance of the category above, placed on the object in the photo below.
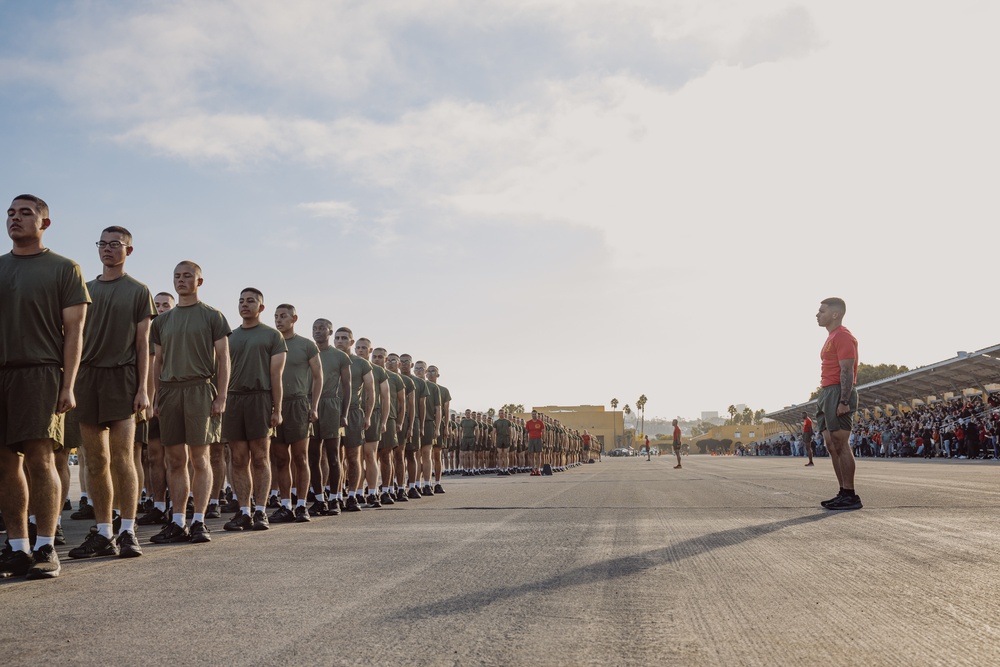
pixel 742 433
pixel 600 423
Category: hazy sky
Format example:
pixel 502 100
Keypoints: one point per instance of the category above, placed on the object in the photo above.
pixel 557 202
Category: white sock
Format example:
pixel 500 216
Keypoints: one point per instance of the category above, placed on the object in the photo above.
pixel 258 508
pixel 274 492
pixel 21 545
pixel 198 516
pixel 340 495
pixel 350 494
pixel 59 520
pixel 245 510
pixel 286 503
pixel 31 519
pixel 128 526
pixel 42 541
pixel 160 506
pixel 179 519
pixel 301 502
pixel 83 496
pixel 104 529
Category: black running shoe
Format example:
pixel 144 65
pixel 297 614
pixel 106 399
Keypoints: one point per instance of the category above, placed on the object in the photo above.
pixel 128 545
pixel 352 504
pixel 32 534
pixel 154 517
pixel 13 563
pixel 438 489
pixel 230 507
pixel 427 491
pixel 44 563
pixel 67 506
pixel 200 532
pixel 310 497
pixel 94 545
pixel 318 508
pixel 239 522
pixel 386 498
pixel 171 533
pixel 85 513
pixel 372 501
pixel 333 509
pixel 60 537
pixel 827 503
pixel 302 514
pixel 282 515
pixel 401 495
pixel 273 503
pixel 116 524
pixel 213 511
pixel 260 521
pixel 846 503
pixel 340 502
pixel 413 493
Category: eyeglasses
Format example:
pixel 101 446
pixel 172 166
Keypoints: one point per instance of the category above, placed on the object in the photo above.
pixel 114 245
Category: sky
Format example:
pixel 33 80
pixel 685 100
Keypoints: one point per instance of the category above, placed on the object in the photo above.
pixel 556 202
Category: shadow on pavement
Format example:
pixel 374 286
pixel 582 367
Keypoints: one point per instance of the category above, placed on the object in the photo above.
pixel 610 569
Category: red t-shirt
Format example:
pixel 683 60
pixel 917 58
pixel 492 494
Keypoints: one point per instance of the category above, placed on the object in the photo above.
pixel 807 426
pixel 677 435
pixel 840 344
pixel 586 439
pixel 536 427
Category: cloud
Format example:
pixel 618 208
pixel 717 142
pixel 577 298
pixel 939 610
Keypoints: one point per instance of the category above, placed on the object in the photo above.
pixel 337 210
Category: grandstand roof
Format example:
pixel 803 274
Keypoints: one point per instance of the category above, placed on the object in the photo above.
pixel 967 370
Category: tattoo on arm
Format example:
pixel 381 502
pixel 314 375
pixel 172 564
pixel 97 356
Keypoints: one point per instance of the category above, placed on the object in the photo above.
pixel 846 379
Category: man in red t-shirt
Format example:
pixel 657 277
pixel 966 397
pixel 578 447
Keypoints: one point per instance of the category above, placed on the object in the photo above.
pixel 677 444
pixel 536 429
pixel 807 436
pixel 838 399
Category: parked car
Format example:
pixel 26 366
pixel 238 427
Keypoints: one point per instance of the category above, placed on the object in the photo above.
pixel 618 452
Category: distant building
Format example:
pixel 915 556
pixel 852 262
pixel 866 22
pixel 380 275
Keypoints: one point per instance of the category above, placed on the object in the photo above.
pixel 709 416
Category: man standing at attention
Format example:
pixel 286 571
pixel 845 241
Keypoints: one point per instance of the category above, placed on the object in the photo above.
pixel 333 406
pixel 838 399
pixel 191 341
pixel 257 359
pixel 359 414
pixel 535 428
pixel 44 300
pixel 111 390
pixel 807 436
pixel 302 387
pixel 677 443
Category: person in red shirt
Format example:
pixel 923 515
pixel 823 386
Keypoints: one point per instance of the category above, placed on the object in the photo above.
pixel 838 399
pixel 807 436
pixel 536 429
pixel 677 444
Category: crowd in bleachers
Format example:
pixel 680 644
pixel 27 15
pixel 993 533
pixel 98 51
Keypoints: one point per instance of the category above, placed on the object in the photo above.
pixel 961 428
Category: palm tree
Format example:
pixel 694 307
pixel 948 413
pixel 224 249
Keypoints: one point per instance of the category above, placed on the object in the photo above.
pixel 491 412
pixel 732 414
pixel 641 405
pixel 614 422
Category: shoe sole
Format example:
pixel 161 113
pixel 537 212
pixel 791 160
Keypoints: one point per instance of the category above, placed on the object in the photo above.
pixel 130 553
pixel 44 574
pixel 845 508
pixel 91 555
pixel 200 539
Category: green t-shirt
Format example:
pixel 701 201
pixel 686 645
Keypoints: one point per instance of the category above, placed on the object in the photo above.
pixel 445 395
pixel 34 289
pixel 502 426
pixel 109 334
pixel 408 383
pixel 360 367
pixel 419 392
pixel 379 376
pixel 433 400
pixel 333 361
pixel 396 385
pixel 469 427
pixel 297 378
pixel 250 352
pixel 186 336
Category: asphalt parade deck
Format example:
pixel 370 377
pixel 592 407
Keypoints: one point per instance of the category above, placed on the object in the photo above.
pixel 729 561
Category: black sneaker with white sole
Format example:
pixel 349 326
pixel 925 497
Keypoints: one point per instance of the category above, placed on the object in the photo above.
pixel 44 563
pixel 846 503
pixel 200 532
pixel 260 521
pixel 302 514
pixel 239 522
